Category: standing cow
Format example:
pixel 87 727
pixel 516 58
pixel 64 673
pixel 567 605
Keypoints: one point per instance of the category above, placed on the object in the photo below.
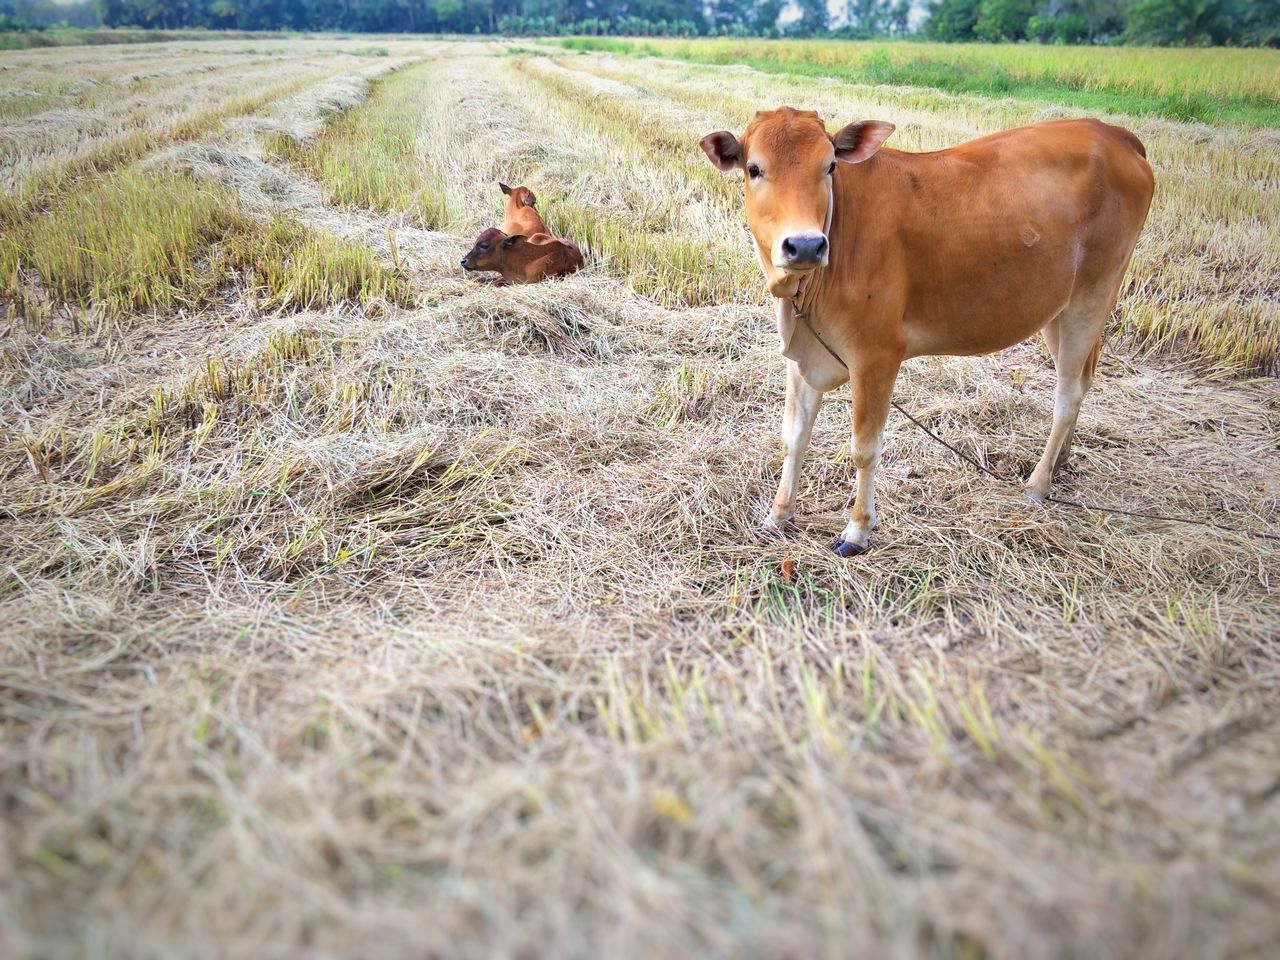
pixel 878 255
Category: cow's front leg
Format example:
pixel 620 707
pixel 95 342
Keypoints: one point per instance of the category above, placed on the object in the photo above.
pixel 871 382
pixel 798 416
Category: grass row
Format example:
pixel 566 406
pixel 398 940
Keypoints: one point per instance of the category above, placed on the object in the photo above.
pixel 1211 86
pixel 45 184
pixel 138 242
pixel 107 36
pixel 367 157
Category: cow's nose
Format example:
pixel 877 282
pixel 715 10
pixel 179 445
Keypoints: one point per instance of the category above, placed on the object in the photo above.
pixel 804 249
pixel 463 261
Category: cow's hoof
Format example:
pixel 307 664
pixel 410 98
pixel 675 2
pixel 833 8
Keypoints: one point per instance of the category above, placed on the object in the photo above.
pixel 847 548
pixel 769 533
pixel 1035 496
pixel 776 528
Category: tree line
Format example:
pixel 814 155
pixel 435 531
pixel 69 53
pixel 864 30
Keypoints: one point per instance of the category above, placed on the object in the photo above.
pixel 1159 22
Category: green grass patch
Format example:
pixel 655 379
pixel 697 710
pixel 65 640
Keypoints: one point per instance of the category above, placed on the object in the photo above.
pixel 1209 86
pixel 367 158
pixel 302 268
pixel 142 243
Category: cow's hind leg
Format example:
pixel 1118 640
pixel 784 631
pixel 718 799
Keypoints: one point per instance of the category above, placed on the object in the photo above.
pixel 798 416
pixel 1074 339
pixel 1050 333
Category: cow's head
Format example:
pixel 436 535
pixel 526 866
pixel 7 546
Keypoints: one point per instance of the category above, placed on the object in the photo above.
pixel 490 250
pixel 522 196
pixel 789 160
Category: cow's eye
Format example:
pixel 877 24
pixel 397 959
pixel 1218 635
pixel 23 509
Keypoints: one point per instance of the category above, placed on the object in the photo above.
pixel 754 172
pixel 484 246
pixel 831 169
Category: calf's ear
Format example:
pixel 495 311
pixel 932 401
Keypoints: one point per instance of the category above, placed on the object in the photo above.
pixel 722 149
pixel 504 188
pixel 510 242
pixel 859 141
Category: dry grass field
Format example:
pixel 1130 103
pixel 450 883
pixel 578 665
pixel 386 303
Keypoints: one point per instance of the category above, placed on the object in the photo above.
pixel 352 608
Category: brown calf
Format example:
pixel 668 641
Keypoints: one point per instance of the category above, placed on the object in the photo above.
pixel 523 259
pixel 521 216
pixel 884 255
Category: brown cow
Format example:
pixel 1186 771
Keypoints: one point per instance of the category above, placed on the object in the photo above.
pixel 521 216
pixel 883 255
pixel 522 259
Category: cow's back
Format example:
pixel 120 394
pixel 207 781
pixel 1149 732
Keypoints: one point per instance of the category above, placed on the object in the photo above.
pixel 523 221
pixel 992 238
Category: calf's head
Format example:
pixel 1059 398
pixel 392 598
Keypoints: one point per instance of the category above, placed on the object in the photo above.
pixel 790 161
pixel 520 196
pixel 490 250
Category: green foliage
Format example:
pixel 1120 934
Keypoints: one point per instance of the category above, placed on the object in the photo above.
pixel 1068 28
pixel 814 18
pixel 1151 22
pixel 41 14
pixel 1000 20
pixel 951 20
pixel 1181 22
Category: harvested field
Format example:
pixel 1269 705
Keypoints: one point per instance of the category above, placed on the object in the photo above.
pixel 353 608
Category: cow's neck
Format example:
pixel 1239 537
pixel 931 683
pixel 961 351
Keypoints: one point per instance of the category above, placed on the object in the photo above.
pixel 809 292
pixel 853 243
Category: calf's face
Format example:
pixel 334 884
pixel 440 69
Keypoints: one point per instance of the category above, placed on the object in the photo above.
pixel 790 161
pixel 490 250
pixel 520 196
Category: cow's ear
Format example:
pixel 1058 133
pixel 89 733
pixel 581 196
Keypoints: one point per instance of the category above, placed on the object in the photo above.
pixel 504 188
pixel 510 242
pixel 859 141
pixel 723 149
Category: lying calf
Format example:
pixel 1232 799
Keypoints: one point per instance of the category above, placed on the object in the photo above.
pixel 521 215
pixel 523 259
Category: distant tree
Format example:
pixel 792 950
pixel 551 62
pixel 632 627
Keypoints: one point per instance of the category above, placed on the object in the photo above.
pixel 866 18
pixel 1185 22
pixel 764 18
pixel 1180 22
pixel 42 13
pixel 1000 20
pixel 724 14
pixel 1100 18
pixel 951 20
pixel 1259 23
pixel 900 18
pixel 814 18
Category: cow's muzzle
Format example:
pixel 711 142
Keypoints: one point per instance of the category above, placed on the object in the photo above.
pixel 803 251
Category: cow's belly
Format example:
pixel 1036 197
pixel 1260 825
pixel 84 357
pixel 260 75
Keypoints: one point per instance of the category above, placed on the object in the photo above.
pixel 980 304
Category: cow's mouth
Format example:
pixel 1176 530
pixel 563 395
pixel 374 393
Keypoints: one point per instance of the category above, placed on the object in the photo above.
pixel 788 285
